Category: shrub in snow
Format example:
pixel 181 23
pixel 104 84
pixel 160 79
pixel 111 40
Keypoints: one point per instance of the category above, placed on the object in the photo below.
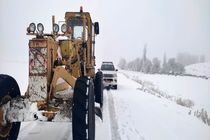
pixel 203 115
pixel 185 102
pixel 209 121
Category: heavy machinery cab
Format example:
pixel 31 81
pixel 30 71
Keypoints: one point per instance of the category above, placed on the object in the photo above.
pixel 80 25
pixel 75 22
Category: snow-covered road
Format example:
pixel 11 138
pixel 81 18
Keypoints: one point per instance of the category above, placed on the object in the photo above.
pixel 129 114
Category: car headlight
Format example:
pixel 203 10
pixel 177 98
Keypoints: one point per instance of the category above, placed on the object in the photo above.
pixel 55 28
pixel 40 27
pixel 64 28
pixel 32 27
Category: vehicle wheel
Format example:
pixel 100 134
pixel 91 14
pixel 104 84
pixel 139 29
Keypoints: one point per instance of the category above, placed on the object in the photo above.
pixel 9 89
pixel 83 109
pixel 99 88
pixel 115 86
pixel 108 87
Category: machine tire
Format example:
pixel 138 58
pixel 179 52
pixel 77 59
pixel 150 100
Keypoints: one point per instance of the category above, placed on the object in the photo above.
pixel 115 86
pixel 9 88
pixel 99 88
pixel 91 112
pixel 83 109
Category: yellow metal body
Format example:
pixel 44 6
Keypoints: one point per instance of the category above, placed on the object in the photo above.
pixel 45 67
pixel 86 37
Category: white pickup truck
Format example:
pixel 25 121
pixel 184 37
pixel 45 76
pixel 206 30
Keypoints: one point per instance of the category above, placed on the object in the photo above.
pixel 109 75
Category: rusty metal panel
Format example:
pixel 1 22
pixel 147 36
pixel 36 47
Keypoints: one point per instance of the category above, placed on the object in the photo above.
pixel 37 43
pixel 37 88
pixel 38 72
pixel 38 61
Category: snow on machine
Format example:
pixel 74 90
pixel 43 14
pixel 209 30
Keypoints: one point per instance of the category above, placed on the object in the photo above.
pixel 63 84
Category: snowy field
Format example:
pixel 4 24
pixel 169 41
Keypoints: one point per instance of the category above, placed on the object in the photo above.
pixel 189 88
pixel 131 113
pixel 143 116
pixel 200 69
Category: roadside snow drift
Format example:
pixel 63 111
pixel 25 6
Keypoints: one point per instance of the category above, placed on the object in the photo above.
pixel 143 116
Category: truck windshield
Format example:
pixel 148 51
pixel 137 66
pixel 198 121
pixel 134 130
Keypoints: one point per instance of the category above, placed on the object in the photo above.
pixel 107 67
pixel 76 25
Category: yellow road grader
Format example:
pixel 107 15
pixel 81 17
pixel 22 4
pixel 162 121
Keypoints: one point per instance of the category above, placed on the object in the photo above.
pixel 63 83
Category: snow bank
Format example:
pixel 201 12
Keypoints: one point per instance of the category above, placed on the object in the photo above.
pixel 143 116
pixel 187 91
pixel 200 69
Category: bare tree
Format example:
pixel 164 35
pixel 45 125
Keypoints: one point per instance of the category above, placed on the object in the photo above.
pixel 155 65
pixel 173 67
pixel 122 63
pixel 164 67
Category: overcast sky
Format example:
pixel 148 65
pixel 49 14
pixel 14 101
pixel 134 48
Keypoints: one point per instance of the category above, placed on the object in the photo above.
pixel 169 26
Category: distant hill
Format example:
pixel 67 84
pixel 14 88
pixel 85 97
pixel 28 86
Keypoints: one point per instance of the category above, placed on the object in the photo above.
pixel 199 69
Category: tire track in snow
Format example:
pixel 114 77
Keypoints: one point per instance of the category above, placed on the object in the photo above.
pixel 113 121
pixel 25 129
pixel 65 134
pixel 68 133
